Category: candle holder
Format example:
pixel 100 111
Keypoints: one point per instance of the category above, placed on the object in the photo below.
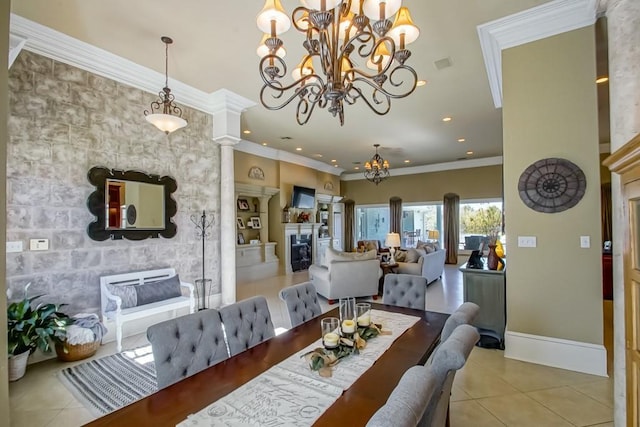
pixel 330 332
pixel 348 316
pixel 363 312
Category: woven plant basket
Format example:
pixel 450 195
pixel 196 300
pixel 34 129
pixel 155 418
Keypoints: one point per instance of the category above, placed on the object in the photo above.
pixel 18 365
pixel 72 352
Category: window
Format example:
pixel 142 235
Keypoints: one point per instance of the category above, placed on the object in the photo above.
pixel 372 223
pixel 477 221
pixel 417 220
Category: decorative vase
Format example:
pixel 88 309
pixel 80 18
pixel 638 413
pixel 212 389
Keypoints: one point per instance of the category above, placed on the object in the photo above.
pixel 492 259
pixel 18 365
pixel 499 249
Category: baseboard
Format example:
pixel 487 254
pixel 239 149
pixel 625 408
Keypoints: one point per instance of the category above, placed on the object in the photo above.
pixel 556 352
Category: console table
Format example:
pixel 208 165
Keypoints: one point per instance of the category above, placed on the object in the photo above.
pixel 487 289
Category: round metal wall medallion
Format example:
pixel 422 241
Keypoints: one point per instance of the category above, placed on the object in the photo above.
pixel 552 185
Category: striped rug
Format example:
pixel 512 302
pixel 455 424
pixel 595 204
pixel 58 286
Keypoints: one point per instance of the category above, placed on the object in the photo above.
pixel 109 383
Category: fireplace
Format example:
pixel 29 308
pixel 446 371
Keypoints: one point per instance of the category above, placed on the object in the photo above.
pixel 301 252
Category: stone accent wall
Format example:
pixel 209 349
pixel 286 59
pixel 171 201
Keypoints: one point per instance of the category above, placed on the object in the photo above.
pixel 63 121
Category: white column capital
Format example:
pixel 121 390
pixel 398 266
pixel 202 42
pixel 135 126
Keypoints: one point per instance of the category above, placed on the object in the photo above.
pixel 226 108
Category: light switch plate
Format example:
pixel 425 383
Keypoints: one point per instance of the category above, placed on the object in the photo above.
pixel 527 241
pixel 585 242
pixel 14 246
pixel 39 244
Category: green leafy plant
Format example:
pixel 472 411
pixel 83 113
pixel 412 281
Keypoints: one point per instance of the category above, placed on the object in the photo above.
pixel 30 327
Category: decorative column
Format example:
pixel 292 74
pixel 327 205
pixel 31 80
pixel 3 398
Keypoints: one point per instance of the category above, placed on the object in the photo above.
pixel 227 108
pixel 623 21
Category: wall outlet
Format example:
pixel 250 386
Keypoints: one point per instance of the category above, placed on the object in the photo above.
pixel 39 244
pixel 14 246
pixel 527 241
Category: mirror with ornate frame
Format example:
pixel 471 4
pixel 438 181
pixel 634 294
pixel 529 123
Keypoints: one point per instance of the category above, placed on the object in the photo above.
pixel 131 204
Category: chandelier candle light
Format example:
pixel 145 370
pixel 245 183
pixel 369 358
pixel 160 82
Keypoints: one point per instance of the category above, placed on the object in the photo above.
pixel 377 169
pixel 164 113
pixel 353 51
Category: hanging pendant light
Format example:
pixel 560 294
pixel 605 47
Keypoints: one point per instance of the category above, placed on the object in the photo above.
pixel 164 113
pixel 377 169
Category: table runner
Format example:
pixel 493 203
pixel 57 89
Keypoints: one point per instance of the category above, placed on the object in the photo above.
pixel 290 393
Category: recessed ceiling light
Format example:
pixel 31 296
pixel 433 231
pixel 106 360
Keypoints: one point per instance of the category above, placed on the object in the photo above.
pixel 469 153
pixel 264 143
pixel 318 155
pixel 298 148
pixel 446 119
pixel 335 166
pixel 461 140
pixel 602 79
pixel 407 161
pixel 421 83
pixel 333 160
pixel 357 168
pixel 246 132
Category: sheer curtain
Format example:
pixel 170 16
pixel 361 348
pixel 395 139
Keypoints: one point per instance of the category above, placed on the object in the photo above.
pixel 349 225
pixel 395 214
pixel 451 205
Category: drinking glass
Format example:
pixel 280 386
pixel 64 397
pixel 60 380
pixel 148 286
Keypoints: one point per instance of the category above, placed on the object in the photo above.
pixel 330 331
pixel 363 311
pixel 347 316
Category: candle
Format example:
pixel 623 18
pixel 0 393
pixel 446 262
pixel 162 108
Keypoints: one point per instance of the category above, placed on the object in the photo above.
pixel 364 320
pixel 331 339
pixel 348 326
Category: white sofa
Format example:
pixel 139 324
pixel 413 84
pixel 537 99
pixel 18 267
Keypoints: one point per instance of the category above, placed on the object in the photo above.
pixel 429 265
pixel 346 274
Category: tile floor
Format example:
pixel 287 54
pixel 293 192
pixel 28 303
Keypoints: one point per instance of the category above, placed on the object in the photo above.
pixel 489 391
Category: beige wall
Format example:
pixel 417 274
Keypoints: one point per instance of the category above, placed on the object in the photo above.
pixel 243 162
pixel 4 47
pixel 550 110
pixel 474 183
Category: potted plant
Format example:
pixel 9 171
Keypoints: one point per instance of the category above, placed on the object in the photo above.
pixel 29 327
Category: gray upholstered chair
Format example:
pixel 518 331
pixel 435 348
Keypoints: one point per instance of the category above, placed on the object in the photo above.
pixel 407 403
pixel 247 323
pixel 448 357
pixel 186 345
pixel 464 315
pixel 302 302
pixel 405 290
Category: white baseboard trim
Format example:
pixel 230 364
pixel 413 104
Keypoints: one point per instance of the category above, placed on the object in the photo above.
pixel 556 352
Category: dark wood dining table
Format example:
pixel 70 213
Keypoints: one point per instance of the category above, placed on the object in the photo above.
pixel 171 405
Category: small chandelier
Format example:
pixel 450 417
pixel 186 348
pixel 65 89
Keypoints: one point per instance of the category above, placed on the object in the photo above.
pixel 377 169
pixel 338 34
pixel 164 113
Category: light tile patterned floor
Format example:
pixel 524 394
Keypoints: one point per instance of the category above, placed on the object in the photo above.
pixel 489 391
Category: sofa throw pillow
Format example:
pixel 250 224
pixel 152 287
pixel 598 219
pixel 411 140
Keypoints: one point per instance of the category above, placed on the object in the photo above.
pixel 334 255
pixel 371 245
pixel 412 255
pixel 126 292
pixel 422 252
pixel 401 256
pixel 158 291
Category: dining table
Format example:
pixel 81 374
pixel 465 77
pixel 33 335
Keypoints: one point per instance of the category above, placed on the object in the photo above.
pixel 173 404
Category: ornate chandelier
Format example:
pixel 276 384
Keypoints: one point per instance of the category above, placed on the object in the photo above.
pixel 342 37
pixel 377 169
pixel 164 119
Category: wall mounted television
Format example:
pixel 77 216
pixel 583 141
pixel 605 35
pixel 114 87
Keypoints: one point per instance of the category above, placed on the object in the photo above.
pixel 303 198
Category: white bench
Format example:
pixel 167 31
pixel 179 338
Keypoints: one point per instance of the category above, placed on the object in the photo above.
pixel 121 315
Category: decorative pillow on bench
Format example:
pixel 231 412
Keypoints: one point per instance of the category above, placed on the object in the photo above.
pixel 135 295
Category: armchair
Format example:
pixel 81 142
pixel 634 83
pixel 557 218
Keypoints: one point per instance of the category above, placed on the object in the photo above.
pixel 346 274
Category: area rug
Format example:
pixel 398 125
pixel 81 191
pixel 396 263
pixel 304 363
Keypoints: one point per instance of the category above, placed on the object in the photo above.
pixel 111 382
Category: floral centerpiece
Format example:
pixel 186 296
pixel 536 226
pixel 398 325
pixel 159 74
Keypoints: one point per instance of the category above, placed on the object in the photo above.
pixel 322 359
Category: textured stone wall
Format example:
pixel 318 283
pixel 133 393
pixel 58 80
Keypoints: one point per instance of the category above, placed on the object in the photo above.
pixel 62 122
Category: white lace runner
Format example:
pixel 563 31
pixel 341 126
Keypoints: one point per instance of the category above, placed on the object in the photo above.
pixel 290 393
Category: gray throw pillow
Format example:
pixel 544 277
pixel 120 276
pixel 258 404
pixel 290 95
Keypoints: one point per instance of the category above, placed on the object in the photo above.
pixel 412 255
pixel 126 292
pixel 158 291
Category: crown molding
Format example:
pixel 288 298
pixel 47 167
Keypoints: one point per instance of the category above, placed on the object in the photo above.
pixel 225 100
pixel 16 43
pixel 546 20
pixel 275 154
pixel 61 47
pixel 436 167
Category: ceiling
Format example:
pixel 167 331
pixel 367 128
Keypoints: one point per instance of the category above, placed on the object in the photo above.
pixel 215 47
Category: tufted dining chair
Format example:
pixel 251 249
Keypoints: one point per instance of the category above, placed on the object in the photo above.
pixel 408 401
pixel 448 358
pixel 405 290
pixel 465 314
pixel 302 302
pixel 186 345
pixel 247 323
